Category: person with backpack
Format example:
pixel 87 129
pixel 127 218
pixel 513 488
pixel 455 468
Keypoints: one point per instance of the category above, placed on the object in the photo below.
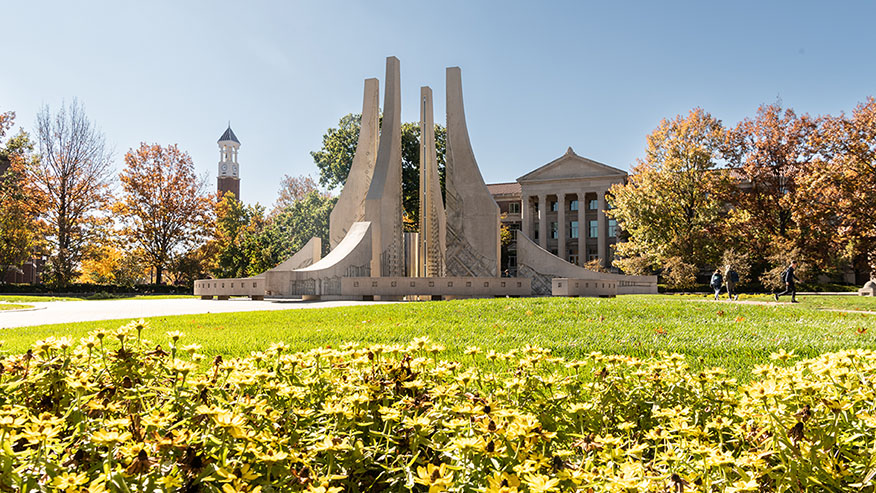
pixel 717 281
pixel 732 277
pixel 789 278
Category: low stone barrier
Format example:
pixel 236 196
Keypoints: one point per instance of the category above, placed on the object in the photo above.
pixel 446 287
pixel 254 287
pixel 563 286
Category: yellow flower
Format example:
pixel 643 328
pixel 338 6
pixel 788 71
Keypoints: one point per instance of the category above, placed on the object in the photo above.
pixel 502 482
pixel 437 478
pixel 106 437
pixel 539 482
pixel 69 482
pixel 750 485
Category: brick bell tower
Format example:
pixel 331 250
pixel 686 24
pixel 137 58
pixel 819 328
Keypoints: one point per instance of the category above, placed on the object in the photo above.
pixel 229 171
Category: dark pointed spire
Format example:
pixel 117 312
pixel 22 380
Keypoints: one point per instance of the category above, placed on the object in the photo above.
pixel 228 135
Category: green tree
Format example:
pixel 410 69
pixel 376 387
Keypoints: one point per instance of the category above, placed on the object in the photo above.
pixel 670 207
pixel 237 231
pixel 339 146
pixel 293 227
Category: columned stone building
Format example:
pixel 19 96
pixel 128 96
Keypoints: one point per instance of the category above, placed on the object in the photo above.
pixel 561 206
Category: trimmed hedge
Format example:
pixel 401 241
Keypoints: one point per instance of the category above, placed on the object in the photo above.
pixel 86 289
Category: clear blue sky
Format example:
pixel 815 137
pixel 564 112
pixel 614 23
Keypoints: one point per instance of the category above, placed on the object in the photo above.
pixel 538 76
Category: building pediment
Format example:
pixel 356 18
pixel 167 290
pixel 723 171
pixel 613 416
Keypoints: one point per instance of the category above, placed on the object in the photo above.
pixel 571 166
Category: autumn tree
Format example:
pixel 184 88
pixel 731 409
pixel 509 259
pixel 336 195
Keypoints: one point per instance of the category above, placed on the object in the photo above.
pixel 19 229
pixel 767 154
pixel 112 263
pixel 293 189
pixel 839 190
pixel 339 146
pixel 72 178
pixel 670 207
pixel 164 205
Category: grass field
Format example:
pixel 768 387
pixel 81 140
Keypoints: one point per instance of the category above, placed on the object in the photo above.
pixel 818 302
pixel 12 306
pixel 15 298
pixel 735 336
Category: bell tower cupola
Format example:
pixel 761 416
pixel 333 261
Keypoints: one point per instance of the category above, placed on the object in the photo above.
pixel 229 170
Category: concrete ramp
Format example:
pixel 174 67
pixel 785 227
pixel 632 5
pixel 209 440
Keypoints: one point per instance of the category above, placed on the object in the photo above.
pixel 351 258
pixel 542 267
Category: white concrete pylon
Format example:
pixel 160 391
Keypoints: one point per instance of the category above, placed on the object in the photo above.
pixel 473 247
pixel 383 203
pixel 432 219
pixel 350 207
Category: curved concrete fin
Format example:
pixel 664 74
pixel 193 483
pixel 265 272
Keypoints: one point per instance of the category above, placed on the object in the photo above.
pixel 350 207
pixel 308 255
pixel 473 247
pixel 383 203
pixel 541 266
pixel 351 258
pixel 355 237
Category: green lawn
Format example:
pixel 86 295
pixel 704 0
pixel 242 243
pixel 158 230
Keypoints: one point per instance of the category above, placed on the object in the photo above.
pixel 12 306
pixel 18 298
pixel 735 336
pixel 818 302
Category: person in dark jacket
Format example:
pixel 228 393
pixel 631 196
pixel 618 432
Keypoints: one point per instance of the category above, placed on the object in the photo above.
pixel 789 279
pixel 717 282
pixel 731 277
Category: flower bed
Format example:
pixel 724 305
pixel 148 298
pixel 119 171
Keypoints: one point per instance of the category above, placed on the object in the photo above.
pixel 117 412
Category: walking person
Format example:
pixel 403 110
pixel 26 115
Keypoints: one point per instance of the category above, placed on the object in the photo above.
pixel 789 278
pixel 731 278
pixel 717 281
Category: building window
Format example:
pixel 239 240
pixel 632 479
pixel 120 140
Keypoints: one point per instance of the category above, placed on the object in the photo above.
pixel 535 234
pixel 594 204
pixel 573 231
pixel 512 260
pixel 573 205
pixel 573 257
pixel 592 256
pixel 612 228
pixel 594 229
pixel 554 251
pixel 555 206
pixel 554 231
pixel 514 208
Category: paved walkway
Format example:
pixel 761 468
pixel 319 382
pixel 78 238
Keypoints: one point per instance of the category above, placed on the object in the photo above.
pixel 57 312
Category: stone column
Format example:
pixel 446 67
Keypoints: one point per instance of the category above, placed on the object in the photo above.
pixel 602 224
pixel 542 221
pixel 561 225
pixel 526 213
pixel 582 228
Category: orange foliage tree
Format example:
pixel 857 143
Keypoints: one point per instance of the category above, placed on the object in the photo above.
pixel 768 153
pixel 164 205
pixel 19 229
pixel 670 206
pixel 840 190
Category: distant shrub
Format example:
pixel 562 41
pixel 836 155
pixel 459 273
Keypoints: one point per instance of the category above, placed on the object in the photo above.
pixel 678 274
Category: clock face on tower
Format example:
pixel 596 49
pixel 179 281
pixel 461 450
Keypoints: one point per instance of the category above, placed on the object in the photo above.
pixel 234 169
pixel 224 167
